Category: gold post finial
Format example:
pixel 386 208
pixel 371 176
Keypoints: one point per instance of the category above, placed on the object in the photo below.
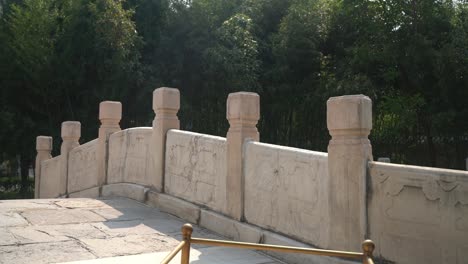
pixel 187 230
pixel 368 247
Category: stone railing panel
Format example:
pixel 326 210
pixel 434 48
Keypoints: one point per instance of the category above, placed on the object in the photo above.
pixel 129 159
pixel 286 191
pixel 196 168
pixel 418 214
pixel 51 178
pixel 82 167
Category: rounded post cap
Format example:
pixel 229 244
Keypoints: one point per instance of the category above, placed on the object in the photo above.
pixel 243 106
pixel 43 143
pixel 349 112
pixel 71 129
pixel 368 247
pixel 187 230
pixel 110 110
pixel 166 98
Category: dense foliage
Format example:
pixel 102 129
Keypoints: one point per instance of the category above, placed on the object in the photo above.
pixel 59 58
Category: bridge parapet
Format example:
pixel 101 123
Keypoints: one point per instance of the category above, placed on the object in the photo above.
pixel 257 192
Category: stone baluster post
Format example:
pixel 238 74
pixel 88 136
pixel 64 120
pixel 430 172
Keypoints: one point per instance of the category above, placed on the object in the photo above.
pixel 349 121
pixel 243 113
pixel 110 114
pixel 166 104
pixel 44 148
pixel 71 133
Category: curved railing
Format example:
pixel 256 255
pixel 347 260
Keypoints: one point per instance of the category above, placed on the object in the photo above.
pixel 184 246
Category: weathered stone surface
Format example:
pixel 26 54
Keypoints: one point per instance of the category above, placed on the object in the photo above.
pixel 71 133
pixel 125 214
pixel 7 209
pixel 33 234
pixel 110 114
pixel 53 235
pixel 44 148
pixel 137 227
pixel 196 168
pixel 71 130
pixel 12 219
pixel 44 253
pixel 84 203
pixel 243 113
pixel 7 238
pixel 121 202
pixel 349 112
pixel 286 191
pixel 175 206
pixel 166 104
pixel 87 193
pixel 129 244
pixel 213 255
pixel 18 205
pixel 292 258
pixel 128 190
pixel 54 217
pixel 243 107
pixel 51 178
pixel 73 231
pixel 110 110
pixel 230 228
pixel 349 121
pixel 82 167
pixel 418 214
pixel 129 157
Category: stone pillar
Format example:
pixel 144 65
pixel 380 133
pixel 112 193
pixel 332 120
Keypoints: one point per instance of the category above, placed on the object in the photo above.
pixel 166 104
pixel 71 133
pixel 349 121
pixel 110 114
pixel 243 113
pixel 44 148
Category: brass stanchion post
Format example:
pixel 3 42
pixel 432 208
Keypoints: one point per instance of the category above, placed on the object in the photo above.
pixel 187 230
pixel 368 247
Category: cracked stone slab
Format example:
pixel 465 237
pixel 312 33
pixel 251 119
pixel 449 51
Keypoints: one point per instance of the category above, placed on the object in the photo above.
pixel 121 202
pixel 12 219
pixel 123 228
pixel 82 203
pixel 83 230
pixel 205 255
pixel 130 245
pixel 52 217
pixel 125 214
pixel 7 238
pixel 44 253
pixel 64 230
pixel 21 205
pixel 31 234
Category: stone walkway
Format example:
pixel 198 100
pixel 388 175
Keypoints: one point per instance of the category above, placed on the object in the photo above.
pixel 99 231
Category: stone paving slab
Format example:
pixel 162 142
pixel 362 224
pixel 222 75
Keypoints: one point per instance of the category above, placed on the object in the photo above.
pixel 211 255
pixel 12 219
pixel 39 253
pixel 65 230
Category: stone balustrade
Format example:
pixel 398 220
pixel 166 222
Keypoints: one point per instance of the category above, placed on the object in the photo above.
pixel 257 192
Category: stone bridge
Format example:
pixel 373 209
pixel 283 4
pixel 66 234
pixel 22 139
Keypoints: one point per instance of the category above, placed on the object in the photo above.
pixel 246 190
